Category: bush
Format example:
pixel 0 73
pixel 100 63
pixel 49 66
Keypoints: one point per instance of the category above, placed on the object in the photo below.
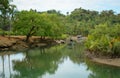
pixel 116 48
pixel 105 40
pixel 101 45
pixel 2 32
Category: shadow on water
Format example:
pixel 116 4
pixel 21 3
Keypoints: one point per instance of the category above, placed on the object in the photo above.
pixel 61 61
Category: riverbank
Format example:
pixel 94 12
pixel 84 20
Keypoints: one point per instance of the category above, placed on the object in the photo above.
pixel 108 61
pixel 18 42
pixel 103 60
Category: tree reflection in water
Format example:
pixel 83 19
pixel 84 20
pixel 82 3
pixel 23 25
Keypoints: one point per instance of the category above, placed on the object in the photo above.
pixel 41 61
pixel 38 63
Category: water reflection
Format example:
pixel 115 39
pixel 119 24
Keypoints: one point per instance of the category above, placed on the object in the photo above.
pixel 6 64
pixel 102 71
pixel 54 62
pixel 37 63
pixel 69 70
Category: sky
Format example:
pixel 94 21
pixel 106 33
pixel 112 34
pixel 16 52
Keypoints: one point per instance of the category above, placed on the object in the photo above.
pixel 68 5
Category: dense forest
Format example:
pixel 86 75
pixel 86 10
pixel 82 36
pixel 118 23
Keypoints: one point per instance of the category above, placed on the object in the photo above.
pixel 100 28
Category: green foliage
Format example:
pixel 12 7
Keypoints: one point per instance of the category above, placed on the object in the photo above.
pixel 103 39
pixel 116 48
pixel 41 24
pixel 6 13
pixel 50 26
pixel 63 36
pixel 81 21
pixel 99 45
pixel 2 32
pixel 24 21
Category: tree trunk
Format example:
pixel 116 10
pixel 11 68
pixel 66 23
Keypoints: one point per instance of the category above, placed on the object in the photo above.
pixel 27 38
pixel 30 34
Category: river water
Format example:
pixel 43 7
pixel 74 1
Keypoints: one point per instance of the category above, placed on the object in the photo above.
pixel 61 61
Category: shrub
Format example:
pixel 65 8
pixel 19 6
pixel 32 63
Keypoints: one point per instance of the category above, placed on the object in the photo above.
pixel 104 39
pixel 116 48
pixel 101 45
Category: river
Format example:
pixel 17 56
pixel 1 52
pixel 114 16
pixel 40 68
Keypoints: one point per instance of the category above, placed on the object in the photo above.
pixel 61 61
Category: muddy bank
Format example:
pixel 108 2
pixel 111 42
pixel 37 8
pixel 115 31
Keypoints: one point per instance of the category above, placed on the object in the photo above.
pixel 18 42
pixel 103 59
pixel 108 61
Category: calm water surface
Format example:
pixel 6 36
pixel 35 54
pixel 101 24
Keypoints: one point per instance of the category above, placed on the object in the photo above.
pixel 60 61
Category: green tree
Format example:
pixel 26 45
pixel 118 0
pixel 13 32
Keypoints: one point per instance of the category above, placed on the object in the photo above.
pixel 27 23
pixel 41 24
pixel 5 11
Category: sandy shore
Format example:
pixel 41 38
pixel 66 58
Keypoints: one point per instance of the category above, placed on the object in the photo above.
pixel 112 62
pixel 103 59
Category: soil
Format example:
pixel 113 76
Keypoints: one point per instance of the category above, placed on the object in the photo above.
pixel 103 59
pixel 18 42
pixel 108 61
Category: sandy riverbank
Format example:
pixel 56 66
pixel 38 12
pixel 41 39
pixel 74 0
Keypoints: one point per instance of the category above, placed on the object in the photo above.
pixel 103 59
pixel 107 61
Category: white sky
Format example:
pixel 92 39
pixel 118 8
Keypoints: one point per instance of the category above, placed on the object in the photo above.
pixel 67 5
